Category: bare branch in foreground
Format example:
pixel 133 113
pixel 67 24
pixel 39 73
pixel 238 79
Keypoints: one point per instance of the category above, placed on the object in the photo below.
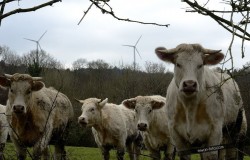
pixel 111 12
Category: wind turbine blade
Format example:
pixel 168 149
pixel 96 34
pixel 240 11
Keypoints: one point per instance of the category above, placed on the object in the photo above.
pixel 42 36
pixel 128 45
pixel 138 40
pixel 30 39
pixel 138 52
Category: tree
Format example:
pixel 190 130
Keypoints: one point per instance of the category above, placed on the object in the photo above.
pixel 98 64
pixel 154 67
pixel 79 63
pixel 45 60
pixel 9 56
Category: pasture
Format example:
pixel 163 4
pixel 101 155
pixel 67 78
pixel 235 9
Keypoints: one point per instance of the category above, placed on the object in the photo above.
pixel 85 153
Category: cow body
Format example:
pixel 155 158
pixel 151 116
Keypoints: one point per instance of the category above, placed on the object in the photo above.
pixel 152 121
pixel 35 113
pixel 200 101
pixel 4 129
pixel 112 126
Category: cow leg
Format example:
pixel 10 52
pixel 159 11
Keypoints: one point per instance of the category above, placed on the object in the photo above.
pixel 41 146
pixel 130 151
pixel 169 152
pixel 105 152
pixel 21 150
pixel 60 152
pixel 155 154
pixel 137 145
pixel 120 153
pixel 46 154
pixel 2 145
pixel 180 144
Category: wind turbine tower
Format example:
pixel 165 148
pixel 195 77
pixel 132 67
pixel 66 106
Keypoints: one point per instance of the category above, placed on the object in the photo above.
pixel 135 50
pixel 37 45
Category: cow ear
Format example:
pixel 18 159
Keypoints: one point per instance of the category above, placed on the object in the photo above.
pixel 5 82
pixel 102 103
pixel 37 85
pixel 213 59
pixel 80 101
pixel 157 104
pixel 129 103
pixel 166 55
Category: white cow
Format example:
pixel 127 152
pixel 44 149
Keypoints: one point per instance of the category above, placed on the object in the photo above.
pixel 4 130
pixel 112 126
pixel 152 121
pixel 201 102
pixel 34 113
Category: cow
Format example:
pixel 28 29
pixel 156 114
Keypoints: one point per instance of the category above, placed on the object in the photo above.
pixel 112 126
pixel 202 103
pixel 152 121
pixel 4 130
pixel 35 113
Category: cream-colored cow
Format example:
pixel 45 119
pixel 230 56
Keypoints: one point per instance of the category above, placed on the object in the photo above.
pixel 202 104
pixel 113 126
pixel 34 113
pixel 151 119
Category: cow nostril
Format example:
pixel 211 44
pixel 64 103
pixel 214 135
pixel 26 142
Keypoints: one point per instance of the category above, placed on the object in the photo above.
pixel 81 120
pixel 142 126
pixel 18 108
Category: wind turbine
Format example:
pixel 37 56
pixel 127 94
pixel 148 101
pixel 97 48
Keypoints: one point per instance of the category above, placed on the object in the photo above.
pixel 135 50
pixel 37 45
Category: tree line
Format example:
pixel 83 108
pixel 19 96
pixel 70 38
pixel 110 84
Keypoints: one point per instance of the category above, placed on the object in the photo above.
pixel 101 80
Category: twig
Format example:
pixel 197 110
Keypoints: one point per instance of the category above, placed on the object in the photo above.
pixel 85 13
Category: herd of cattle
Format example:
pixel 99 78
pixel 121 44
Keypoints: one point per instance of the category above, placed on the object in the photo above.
pixel 202 108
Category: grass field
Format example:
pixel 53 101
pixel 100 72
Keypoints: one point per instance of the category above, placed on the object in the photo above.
pixel 84 153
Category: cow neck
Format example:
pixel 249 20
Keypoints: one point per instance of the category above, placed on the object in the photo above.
pixel 99 125
pixel 23 121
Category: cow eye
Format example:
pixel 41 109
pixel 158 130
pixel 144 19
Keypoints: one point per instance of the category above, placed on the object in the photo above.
pixel 136 111
pixel 150 111
pixel 92 109
pixel 199 66
pixel 178 65
pixel 11 90
pixel 28 91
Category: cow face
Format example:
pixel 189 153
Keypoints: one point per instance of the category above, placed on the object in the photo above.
pixel 189 61
pixel 91 111
pixel 21 87
pixel 144 108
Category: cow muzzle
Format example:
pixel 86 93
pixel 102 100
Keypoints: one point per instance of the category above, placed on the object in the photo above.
pixel 142 126
pixel 18 109
pixel 82 121
pixel 189 87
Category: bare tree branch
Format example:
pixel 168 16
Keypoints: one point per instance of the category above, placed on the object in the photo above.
pixel 111 12
pixel 223 21
pixel 85 13
pixel 21 10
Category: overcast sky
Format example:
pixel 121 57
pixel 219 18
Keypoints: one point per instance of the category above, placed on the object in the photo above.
pixel 100 36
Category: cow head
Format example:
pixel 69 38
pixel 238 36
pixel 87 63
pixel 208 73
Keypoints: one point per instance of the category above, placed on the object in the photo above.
pixel 189 61
pixel 91 111
pixel 144 107
pixel 21 87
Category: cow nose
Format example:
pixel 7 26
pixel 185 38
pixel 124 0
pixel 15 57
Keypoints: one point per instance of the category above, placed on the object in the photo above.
pixel 189 86
pixel 142 126
pixel 82 121
pixel 18 108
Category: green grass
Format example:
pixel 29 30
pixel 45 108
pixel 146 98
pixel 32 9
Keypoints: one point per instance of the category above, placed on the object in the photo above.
pixel 83 153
